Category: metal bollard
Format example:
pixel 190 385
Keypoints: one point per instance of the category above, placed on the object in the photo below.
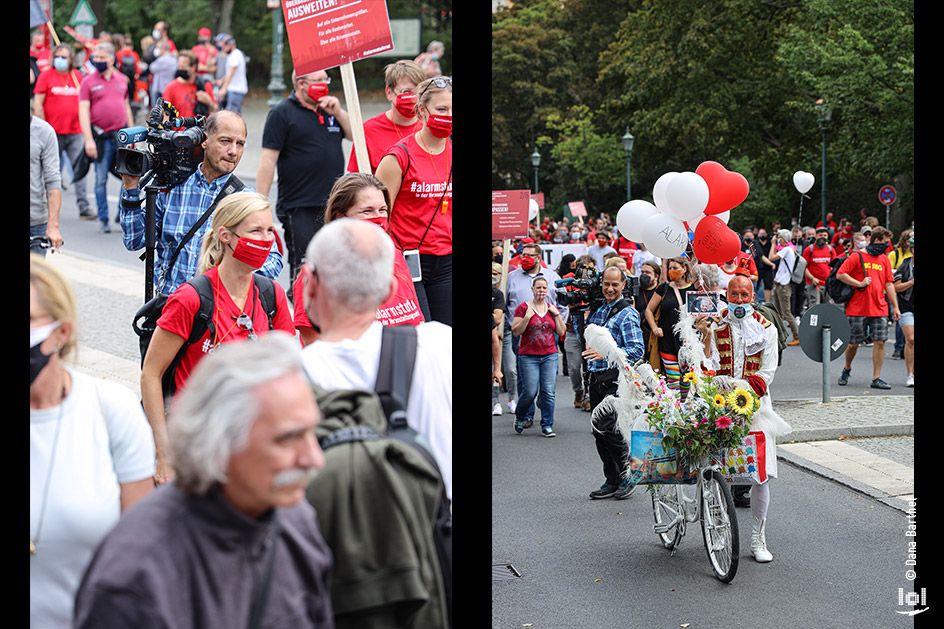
pixel 827 350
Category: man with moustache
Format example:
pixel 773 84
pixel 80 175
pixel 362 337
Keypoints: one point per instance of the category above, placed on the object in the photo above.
pixel 231 542
pixel 180 208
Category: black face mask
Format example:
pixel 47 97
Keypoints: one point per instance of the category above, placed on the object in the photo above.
pixel 876 248
pixel 182 74
pixel 38 361
pixel 644 280
pixel 498 258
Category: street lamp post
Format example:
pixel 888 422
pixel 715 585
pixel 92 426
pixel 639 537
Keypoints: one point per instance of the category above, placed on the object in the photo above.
pixel 824 115
pixel 276 84
pixel 628 140
pixel 535 161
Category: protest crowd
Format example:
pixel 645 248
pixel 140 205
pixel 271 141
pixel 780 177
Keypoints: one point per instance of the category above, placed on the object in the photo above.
pixel 289 462
pixel 788 270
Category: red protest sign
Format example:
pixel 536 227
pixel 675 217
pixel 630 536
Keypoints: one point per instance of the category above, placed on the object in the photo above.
pixel 577 208
pixel 510 213
pixel 327 33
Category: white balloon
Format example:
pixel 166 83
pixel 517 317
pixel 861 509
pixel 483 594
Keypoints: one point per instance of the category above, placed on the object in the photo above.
pixel 687 196
pixel 532 209
pixel 664 235
pixel 658 191
pixel 803 181
pixel 632 216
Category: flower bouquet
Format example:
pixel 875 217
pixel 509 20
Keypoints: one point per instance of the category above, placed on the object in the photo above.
pixel 707 421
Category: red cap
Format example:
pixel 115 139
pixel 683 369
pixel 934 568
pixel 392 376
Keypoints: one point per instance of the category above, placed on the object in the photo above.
pixel 204 32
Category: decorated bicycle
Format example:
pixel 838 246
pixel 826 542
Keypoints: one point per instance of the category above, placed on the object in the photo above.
pixel 688 449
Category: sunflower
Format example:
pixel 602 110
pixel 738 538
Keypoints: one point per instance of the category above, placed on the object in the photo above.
pixel 719 401
pixel 689 377
pixel 741 401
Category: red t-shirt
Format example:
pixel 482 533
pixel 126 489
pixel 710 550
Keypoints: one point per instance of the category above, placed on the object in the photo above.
pixel 204 53
pixel 107 100
pixel 538 337
pixel 870 301
pixel 183 304
pixel 752 267
pixel 43 57
pixel 61 100
pixel 817 261
pixel 418 202
pixel 626 249
pixel 402 307
pixel 183 96
pixel 379 134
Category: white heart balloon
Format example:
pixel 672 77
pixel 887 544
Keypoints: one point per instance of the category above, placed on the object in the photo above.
pixel 803 181
pixel 664 235
pixel 532 209
pixel 632 216
pixel 724 216
pixel 687 196
pixel 658 191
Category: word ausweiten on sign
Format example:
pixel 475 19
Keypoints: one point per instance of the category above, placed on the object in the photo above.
pixel 327 33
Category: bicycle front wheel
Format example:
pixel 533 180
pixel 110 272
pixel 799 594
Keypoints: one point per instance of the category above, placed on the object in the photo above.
pixel 719 526
pixel 669 514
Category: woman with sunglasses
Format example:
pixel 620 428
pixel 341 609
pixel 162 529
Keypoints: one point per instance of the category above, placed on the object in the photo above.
pixel 362 196
pixel 417 172
pixel 236 245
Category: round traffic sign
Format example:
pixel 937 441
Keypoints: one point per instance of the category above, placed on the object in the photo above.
pixel 811 331
pixel 887 195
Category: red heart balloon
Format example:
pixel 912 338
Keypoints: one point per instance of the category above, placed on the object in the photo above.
pixel 726 189
pixel 715 242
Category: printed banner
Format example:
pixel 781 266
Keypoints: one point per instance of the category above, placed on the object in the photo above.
pixel 650 463
pixel 745 463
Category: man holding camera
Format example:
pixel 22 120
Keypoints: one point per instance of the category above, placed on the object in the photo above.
pixel 622 321
pixel 181 207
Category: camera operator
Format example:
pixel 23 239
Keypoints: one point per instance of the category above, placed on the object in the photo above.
pixel 178 209
pixel 622 320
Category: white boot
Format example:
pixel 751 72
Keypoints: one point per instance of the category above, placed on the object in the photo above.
pixel 759 542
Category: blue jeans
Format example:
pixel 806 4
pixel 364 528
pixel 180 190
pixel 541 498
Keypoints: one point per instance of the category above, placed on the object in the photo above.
pixel 106 154
pixel 234 101
pixel 37 230
pixel 537 376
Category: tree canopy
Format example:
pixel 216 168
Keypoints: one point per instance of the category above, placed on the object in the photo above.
pixel 732 81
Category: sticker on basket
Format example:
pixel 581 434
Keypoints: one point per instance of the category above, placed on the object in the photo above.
pixel 814 320
pixel 837 344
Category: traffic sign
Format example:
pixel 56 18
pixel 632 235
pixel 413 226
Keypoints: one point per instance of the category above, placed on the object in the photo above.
pixel 83 14
pixel 887 195
pixel 811 331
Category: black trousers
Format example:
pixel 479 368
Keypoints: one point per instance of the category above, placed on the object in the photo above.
pixel 434 292
pixel 300 224
pixel 611 447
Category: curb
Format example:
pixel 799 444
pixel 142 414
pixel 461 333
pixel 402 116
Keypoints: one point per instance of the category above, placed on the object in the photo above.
pixel 848 432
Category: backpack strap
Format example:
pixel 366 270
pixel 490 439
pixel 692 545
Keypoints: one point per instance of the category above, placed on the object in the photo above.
pixel 202 321
pixel 395 372
pixel 266 288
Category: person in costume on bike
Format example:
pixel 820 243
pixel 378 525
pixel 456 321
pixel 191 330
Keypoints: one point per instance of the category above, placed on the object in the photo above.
pixel 742 344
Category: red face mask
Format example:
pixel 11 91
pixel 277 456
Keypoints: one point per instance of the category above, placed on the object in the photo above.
pixel 380 221
pixel 527 263
pixel 317 91
pixel 440 126
pixel 406 104
pixel 252 252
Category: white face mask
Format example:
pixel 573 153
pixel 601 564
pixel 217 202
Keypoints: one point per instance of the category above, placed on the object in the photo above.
pixel 740 311
pixel 40 334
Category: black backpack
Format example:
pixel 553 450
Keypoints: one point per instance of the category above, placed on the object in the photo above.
pixel 839 291
pixel 394 376
pixel 145 321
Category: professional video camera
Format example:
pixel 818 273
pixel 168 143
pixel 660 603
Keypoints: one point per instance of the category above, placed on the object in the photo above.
pixel 175 147
pixel 584 291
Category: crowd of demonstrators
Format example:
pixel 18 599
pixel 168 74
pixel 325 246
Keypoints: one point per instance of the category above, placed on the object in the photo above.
pixel 240 476
pixel 791 269
pixel 91 453
pixel 418 174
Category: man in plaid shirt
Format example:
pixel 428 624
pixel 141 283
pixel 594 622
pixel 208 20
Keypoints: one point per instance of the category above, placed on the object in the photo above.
pixel 622 320
pixel 180 208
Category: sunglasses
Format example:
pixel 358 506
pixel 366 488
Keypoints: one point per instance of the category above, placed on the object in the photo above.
pixel 440 81
pixel 245 323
